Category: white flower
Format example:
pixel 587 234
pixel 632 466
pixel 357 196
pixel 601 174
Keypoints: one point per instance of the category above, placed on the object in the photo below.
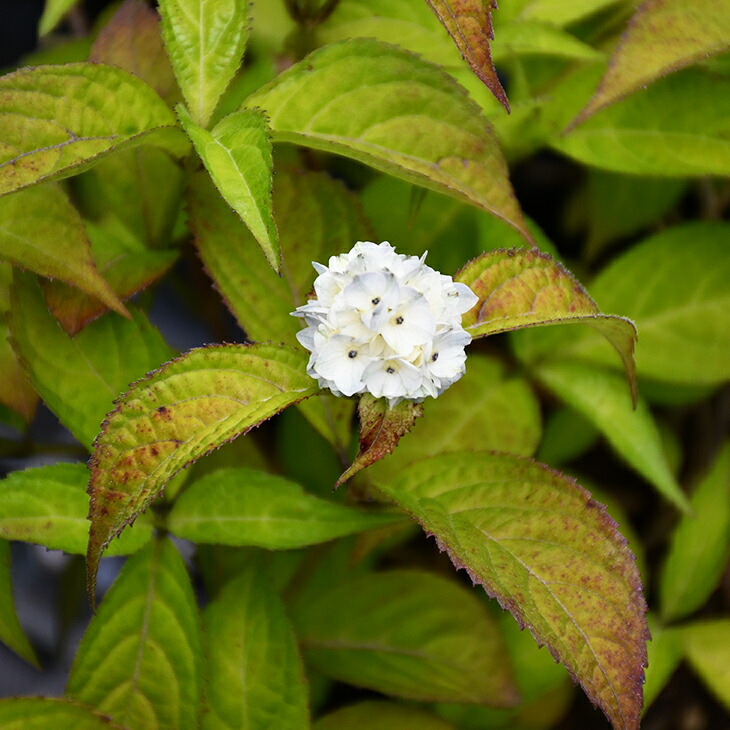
pixel 386 324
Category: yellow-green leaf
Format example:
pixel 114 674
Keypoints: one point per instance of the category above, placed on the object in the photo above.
pixel 40 230
pixel 601 396
pixel 255 677
pixel 389 109
pixel 56 121
pixel 205 42
pixel 175 415
pixel 662 36
pixel 41 713
pixel 237 154
pixel 140 660
pixel 551 555
pixel 11 632
pixel 700 546
pixel 407 633
pixel 48 505
pixel 521 288
pixel 238 506
pixel 79 377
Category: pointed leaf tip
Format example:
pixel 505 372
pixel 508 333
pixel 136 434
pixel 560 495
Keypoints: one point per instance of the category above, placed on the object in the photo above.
pixel 388 108
pixel 175 415
pixel 550 554
pixel 237 154
pixel 381 428
pixel 663 36
pixel 469 23
pixel 527 288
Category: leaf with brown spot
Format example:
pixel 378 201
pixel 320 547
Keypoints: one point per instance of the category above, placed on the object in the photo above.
pixel 526 288
pixel 177 414
pixel 469 23
pixel 132 40
pixel 549 554
pixel 381 428
pixel 663 36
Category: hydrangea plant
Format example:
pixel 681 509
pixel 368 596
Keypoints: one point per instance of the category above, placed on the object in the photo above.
pixel 347 123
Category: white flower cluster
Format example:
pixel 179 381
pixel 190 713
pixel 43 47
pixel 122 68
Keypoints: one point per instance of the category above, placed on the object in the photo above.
pixel 386 324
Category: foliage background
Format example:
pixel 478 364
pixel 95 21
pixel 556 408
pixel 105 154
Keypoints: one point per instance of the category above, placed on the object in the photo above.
pixel 642 193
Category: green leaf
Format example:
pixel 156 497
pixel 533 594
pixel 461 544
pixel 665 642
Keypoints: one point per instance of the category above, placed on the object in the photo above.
pixel 79 377
pixel 205 42
pixel 658 132
pixel 524 37
pixel 616 206
pixel 131 40
pixel 551 555
pixel 487 410
pixel 521 288
pixel 707 646
pixel 663 36
pixel 676 286
pixel 383 715
pixel 53 11
pixel 666 650
pixel 381 428
pixel 56 121
pixel 48 505
pixel 563 12
pixel 601 396
pixel 177 414
pixel 470 26
pixel 545 688
pixel 700 546
pixel 254 678
pixel 11 632
pixel 387 108
pixel 407 633
pixel 41 713
pixel 566 436
pixel 140 660
pixel 141 188
pixel 247 507
pixel 411 25
pixel 40 230
pixel 237 154
pixel 124 263
pixel 261 301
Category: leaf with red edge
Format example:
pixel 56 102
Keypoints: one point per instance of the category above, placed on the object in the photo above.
pixel 381 428
pixel 526 288
pixel 550 554
pixel 177 414
pixel 469 23
pixel 663 36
